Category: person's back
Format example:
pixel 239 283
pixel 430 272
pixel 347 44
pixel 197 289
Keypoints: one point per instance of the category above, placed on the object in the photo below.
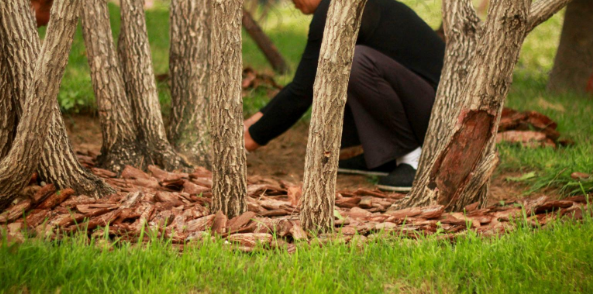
pixel 395 30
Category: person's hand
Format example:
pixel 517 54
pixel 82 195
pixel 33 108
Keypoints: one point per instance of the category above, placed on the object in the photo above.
pixel 250 144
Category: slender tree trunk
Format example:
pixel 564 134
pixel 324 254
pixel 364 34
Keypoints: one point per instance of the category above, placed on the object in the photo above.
pixel 141 87
pixel 41 90
pixel 459 153
pixel 20 59
pixel 329 100
pixel 226 107
pixel 189 129
pixel 120 146
pixel 8 120
pixel 572 67
pixel 265 44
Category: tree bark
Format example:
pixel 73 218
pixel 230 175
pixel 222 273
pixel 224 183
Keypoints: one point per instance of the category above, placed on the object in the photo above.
pixel 459 155
pixel 41 90
pixel 226 107
pixel 120 146
pixel 22 57
pixel 8 120
pixel 189 129
pixel 329 99
pixel 264 43
pixel 574 60
pixel 462 28
pixel 141 88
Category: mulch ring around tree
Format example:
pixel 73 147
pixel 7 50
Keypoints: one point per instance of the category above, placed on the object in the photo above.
pixel 176 206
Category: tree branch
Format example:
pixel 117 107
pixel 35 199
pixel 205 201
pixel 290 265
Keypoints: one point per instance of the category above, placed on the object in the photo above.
pixel 461 12
pixel 542 10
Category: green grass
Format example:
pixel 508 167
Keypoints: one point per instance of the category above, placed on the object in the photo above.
pixel 556 259
pixel 570 111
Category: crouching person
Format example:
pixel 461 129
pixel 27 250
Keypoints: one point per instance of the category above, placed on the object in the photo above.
pixel 397 64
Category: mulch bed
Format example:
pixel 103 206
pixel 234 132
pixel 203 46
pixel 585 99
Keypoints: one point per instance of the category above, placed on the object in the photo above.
pixel 176 205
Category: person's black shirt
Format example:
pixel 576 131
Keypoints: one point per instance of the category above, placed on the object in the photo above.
pixel 387 26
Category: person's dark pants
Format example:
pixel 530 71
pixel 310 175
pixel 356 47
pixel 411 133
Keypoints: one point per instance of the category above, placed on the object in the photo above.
pixel 388 107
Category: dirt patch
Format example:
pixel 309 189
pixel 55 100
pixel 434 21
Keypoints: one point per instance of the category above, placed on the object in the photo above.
pixel 504 191
pixel 282 159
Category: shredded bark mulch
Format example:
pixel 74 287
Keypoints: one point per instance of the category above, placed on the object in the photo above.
pixel 176 205
pixel 530 129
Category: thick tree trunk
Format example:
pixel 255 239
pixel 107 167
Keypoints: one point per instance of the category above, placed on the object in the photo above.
pixel 60 166
pixel 265 44
pixel 141 87
pixel 459 153
pixel 189 129
pixel 574 60
pixel 120 146
pixel 329 100
pixel 41 90
pixel 8 120
pixel 226 108
pixel 462 28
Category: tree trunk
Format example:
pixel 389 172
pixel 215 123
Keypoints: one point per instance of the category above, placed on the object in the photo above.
pixel 574 60
pixel 226 108
pixel 41 90
pixel 329 100
pixel 59 164
pixel 264 43
pixel 462 28
pixel 120 146
pixel 189 129
pixel 141 87
pixel 8 120
pixel 459 153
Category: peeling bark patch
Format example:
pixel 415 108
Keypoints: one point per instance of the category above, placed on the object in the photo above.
pixel 458 161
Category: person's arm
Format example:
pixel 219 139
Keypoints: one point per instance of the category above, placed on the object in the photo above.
pixel 294 100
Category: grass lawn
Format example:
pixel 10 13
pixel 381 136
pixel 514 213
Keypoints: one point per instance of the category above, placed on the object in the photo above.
pixel 552 260
pixel 556 259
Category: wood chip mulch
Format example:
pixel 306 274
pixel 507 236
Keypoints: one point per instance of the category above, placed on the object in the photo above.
pixel 176 205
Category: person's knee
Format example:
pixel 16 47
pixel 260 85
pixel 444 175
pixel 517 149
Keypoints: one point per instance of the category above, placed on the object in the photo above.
pixel 361 66
pixel 361 58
